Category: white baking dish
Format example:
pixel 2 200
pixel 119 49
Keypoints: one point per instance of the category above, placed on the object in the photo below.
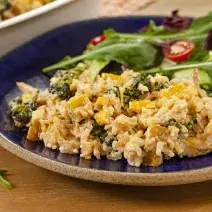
pixel 22 28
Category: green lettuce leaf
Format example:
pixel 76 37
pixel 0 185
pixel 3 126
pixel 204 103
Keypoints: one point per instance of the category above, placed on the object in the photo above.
pixel 95 67
pixel 135 54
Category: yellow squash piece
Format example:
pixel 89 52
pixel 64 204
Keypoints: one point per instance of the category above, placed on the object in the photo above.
pixel 136 106
pixel 158 131
pixel 181 90
pixel 191 141
pixel 105 76
pixel 102 117
pixel 78 101
pixel 34 129
pixel 173 90
pixel 102 101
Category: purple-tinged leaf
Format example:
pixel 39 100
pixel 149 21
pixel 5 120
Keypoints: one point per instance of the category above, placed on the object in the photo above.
pixel 176 23
pixel 208 42
pixel 123 68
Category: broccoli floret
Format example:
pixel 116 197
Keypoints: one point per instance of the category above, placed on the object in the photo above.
pixel 99 132
pixel 110 141
pixel 158 86
pixel 114 90
pixel 133 93
pixel 62 79
pixel 173 122
pixel 62 90
pixel 191 123
pixel 22 112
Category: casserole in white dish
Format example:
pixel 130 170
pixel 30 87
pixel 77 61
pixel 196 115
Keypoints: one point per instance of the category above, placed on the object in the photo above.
pixel 22 28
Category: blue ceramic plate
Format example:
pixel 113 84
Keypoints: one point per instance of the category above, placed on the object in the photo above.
pixel 25 64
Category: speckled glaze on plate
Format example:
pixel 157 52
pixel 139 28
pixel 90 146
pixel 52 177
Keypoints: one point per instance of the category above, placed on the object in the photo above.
pixel 25 64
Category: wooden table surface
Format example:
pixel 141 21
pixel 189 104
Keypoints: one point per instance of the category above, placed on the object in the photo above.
pixel 39 190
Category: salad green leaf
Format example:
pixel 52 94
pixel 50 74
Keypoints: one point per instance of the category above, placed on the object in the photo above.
pixel 3 172
pixel 207 66
pixel 95 67
pixel 204 79
pixel 199 53
pixel 204 23
pixel 135 54
pixel 59 66
pixel 5 183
